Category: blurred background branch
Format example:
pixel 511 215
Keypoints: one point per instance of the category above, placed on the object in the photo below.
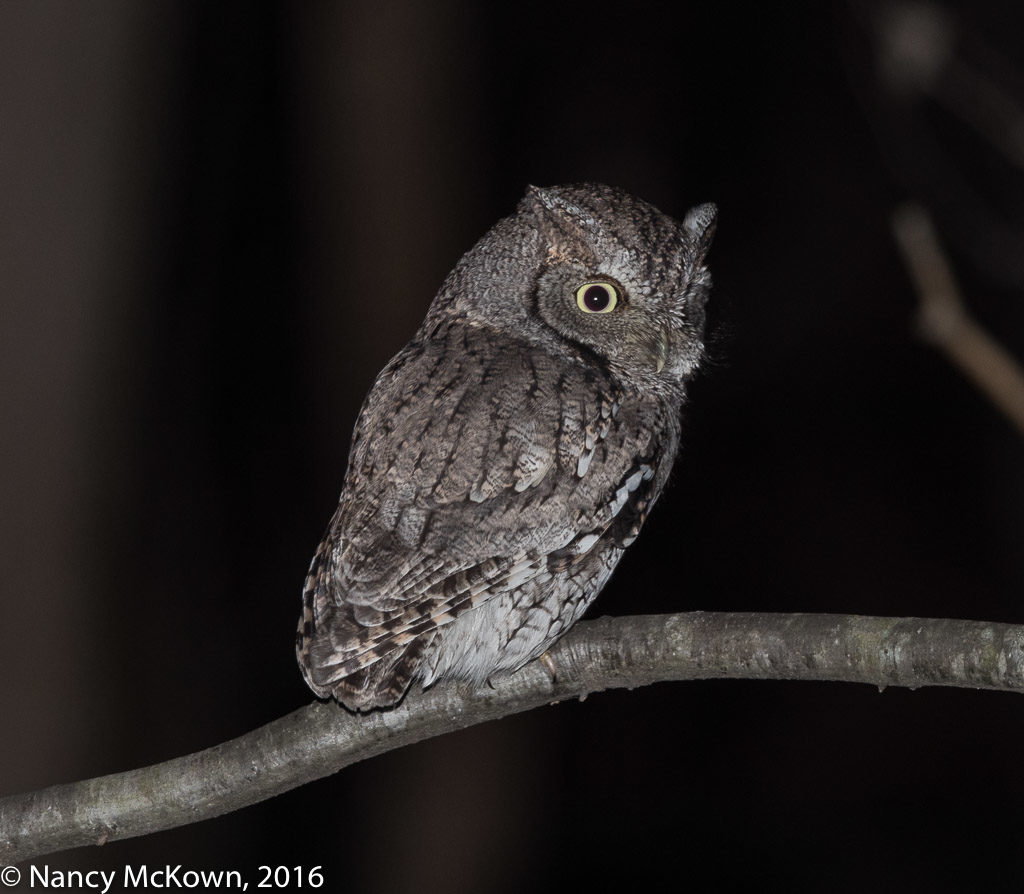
pixel 943 318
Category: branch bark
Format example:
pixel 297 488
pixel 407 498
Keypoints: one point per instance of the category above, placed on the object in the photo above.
pixel 608 653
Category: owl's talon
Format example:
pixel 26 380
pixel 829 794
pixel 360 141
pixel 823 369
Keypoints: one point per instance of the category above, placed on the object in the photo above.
pixel 548 663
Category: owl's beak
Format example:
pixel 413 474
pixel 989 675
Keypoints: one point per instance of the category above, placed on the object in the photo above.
pixel 660 352
pixel 651 344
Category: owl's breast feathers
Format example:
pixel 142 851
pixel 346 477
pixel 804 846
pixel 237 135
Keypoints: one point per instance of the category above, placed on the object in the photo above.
pixel 478 464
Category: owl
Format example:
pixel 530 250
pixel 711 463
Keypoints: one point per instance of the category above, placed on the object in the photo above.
pixel 508 455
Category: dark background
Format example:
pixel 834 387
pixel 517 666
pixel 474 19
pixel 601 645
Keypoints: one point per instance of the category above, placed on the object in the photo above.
pixel 218 221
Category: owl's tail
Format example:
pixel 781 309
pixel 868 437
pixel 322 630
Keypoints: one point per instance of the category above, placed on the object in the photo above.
pixel 328 628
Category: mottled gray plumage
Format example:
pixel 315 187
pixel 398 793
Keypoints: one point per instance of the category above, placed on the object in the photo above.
pixel 506 457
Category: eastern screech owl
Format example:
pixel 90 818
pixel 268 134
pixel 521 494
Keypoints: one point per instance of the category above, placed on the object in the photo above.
pixel 506 457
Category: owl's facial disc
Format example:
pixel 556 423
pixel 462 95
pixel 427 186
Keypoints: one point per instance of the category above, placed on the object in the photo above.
pixel 599 297
pixel 645 336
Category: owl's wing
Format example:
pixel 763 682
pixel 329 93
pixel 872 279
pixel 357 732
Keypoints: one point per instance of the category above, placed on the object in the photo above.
pixel 467 478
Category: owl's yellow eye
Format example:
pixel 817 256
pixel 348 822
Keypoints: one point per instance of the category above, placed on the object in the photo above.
pixel 597 297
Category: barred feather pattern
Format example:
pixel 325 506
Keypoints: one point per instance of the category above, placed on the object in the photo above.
pixel 499 467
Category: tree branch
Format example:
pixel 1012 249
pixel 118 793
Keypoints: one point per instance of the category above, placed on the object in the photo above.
pixel 943 318
pixel 608 653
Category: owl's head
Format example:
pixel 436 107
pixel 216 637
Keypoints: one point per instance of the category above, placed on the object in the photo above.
pixel 593 273
pixel 623 281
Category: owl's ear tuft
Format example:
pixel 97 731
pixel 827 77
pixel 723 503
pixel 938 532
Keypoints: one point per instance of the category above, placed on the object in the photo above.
pixel 700 224
pixel 565 215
